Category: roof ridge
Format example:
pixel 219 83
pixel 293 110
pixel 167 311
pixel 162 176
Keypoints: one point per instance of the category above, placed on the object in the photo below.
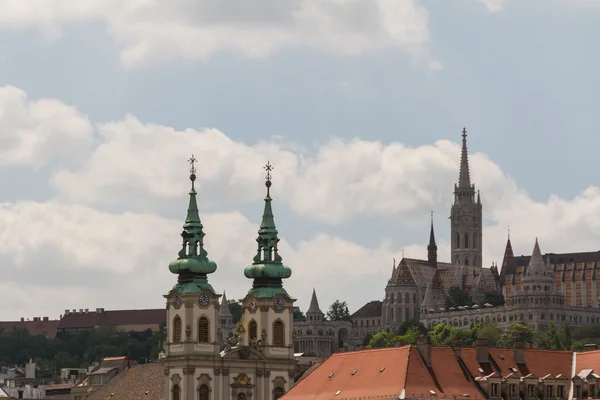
pixel 370 350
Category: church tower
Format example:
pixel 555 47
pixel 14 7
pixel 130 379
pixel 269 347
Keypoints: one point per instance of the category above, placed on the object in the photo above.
pixel 267 309
pixel 192 312
pixel 466 216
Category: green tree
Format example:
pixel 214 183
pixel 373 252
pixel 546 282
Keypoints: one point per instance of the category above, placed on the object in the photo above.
pixel 458 297
pixel 367 339
pixel 412 323
pixel 410 337
pixel 493 298
pixel 516 332
pixel 299 315
pixel 382 339
pixel 235 308
pixel 488 331
pixel 440 334
pixel 567 335
pixel 338 311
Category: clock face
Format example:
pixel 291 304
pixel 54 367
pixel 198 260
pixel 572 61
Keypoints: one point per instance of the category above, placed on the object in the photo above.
pixel 252 304
pixel 203 300
pixel 243 379
pixel 278 304
pixel 177 300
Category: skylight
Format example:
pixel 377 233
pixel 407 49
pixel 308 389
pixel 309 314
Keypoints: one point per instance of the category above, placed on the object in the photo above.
pixel 381 370
pixel 432 392
pixel 354 372
pixel 338 392
pixel 501 356
pixel 331 375
pixel 481 370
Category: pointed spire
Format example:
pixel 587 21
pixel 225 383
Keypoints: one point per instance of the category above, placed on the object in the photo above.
pixel 478 197
pixel 314 304
pixel 509 265
pixel 393 266
pixel 464 178
pixel 192 264
pixel 432 247
pixel 267 270
pixel 224 311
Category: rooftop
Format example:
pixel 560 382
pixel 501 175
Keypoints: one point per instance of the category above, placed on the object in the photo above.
pixel 371 309
pixel 136 383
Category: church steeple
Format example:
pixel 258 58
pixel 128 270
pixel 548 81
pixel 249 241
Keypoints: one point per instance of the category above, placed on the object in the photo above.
pixel 267 270
pixel 314 312
pixel 466 216
pixel 192 265
pixel 432 247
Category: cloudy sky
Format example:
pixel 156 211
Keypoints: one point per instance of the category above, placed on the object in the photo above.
pixel 358 104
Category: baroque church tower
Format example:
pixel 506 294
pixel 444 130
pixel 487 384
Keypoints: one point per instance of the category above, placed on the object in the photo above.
pixel 192 312
pixel 466 216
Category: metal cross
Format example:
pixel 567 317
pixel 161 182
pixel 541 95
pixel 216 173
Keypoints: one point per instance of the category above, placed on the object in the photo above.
pixel 192 161
pixel 268 168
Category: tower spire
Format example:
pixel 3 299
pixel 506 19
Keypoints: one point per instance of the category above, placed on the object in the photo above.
pixel 464 178
pixel 432 247
pixel 267 268
pixel 192 265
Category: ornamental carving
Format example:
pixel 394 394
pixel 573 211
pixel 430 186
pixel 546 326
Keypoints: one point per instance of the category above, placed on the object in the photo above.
pixel 225 371
pixel 176 379
pixel 217 371
pixel 267 373
pixel 259 372
pixel 189 370
pixel 264 308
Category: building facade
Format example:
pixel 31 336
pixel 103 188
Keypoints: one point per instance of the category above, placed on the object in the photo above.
pixel 258 359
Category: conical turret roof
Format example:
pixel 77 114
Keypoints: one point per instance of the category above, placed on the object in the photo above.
pixel 464 178
pixel 224 311
pixel 536 270
pixel 314 304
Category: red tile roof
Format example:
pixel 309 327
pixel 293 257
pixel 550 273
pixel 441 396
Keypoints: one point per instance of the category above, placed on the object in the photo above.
pixel 588 360
pixel 369 380
pixel 133 383
pixel 111 319
pixel 37 327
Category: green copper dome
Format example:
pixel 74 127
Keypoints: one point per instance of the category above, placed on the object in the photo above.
pixel 267 270
pixel 192 265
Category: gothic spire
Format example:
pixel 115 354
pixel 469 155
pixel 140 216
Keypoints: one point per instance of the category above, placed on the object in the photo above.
pixel 267 268
pixel 464 178
pixel 192 265
pixel 432 247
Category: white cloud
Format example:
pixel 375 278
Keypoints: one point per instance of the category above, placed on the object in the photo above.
pixel 493 5
pixel 69 254
pixel 150 30
pixel 39 132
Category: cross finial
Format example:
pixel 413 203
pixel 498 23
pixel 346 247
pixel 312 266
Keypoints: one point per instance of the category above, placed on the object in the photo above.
pixel 192 162
pixel 402 253
pixel 431 215
pixel 464 132
pixel 268 167
pixel 509 232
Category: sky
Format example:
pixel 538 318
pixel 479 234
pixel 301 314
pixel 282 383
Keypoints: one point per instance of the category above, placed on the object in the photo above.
pixel 358 104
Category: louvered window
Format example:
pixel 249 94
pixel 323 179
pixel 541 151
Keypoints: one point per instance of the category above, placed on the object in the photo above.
pixel 177 329
pixel 278 330
pixel 252 328
pixel 176 393
pixel 203 330
pixel 203 392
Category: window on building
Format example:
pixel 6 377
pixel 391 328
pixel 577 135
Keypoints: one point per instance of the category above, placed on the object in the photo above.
pixel 252 329
pixel 203 392
pixel 278 334
pixel 367 322
pixel 531 391
pixel 512 390
pixel 177 329
pixel 578 391
pixel 203 330
pixel 543 316
pixel 466 245
pixel 549 391
pixel 474 240
pixel 560 391
pixel 592 390
pixel 278 392
pixel 494 389
pixel 466 260
pixel 176 392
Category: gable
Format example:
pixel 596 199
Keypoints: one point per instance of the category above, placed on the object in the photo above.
pixel 402 276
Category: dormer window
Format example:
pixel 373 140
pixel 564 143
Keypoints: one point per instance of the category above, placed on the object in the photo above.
pixel 578 391
pixel 560 391
pixel 592 390
pixel 549 391
pixel 512 390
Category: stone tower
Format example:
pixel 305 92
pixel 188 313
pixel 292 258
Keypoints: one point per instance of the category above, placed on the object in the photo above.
pixel 226 325
pixel 267 309
pixel 192 310
pixel 466 216
pixel 314 313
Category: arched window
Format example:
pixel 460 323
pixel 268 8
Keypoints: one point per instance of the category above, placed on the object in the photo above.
pixel 177 330
pixel 399 298
pixel 466 245
pixel 457 239
pixel 203 330
pixel 475 240
pixel 407 298
pixel 278 334
pixel 278 392
pixel 392 298
pixel 252 329
pixel 415 298
pixel 203 392
pixel 176 392
pixel 466 260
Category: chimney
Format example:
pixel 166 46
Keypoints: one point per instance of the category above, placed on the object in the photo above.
pixel 81 311
pixel 519 352
pixel 482 350
pixel 87 310
pixel 456 348
pixel 45 318
pixel 74 311
pixel 424 348
pixel 590 346
pixel 22 319
pixel 66 312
